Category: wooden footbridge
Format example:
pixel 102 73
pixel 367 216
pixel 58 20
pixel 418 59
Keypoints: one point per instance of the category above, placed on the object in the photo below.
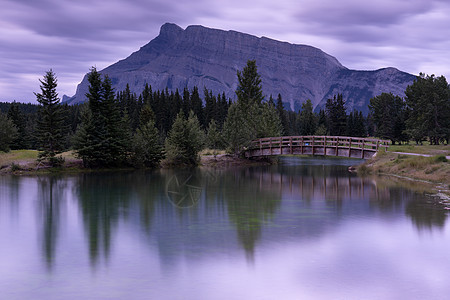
pixel 316 145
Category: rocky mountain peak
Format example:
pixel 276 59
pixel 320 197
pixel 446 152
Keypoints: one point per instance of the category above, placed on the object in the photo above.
pixel 205 57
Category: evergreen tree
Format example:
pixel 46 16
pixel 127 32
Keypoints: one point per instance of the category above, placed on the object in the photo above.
pixel 147 149
pixel 307 123
pixel 186 105
pixel 17 117
pixel 222 110
pixel 387 112
pixel 269 124
pixel 336 116
pixel 146 115
pixel 214 139
pixel 428 102
pixel 147 94
pixel 282 115
pixel 103 138
pixel 184 141
pixel 210 110
pixel 237 132
pixel 197 106
pixel 249 90
pixel 50 125
pixel 8 132
pixel 359 124
pixel 250 116
pixel 85 141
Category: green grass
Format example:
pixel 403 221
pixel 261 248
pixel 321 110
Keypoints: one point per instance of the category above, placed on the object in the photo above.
pixel 17 155
pixel 426 148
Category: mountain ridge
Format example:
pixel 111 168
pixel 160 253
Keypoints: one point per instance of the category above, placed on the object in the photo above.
pixel 206 57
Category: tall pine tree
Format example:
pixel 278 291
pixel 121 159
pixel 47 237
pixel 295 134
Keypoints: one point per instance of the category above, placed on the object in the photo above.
pixel 103 137
pixel 50 129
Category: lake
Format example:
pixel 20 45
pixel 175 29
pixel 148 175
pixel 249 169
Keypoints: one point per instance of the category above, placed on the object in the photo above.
pixel 305 228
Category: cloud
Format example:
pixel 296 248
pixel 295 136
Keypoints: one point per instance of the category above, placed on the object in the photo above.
pixel 71 36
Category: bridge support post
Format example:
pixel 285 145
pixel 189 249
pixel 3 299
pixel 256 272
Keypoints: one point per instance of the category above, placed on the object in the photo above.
pixel 349 147
pixel 362 149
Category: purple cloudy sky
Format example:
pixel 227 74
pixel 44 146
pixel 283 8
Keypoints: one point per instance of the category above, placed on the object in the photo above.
pixel 70 36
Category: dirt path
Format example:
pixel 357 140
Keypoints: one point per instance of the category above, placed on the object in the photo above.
pixel 417 154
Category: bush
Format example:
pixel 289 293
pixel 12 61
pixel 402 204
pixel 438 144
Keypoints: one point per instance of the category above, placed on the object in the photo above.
pixel 440 158
pixel 15 167
pixel 185 140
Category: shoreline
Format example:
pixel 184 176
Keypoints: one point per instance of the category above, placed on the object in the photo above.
pixel 432 171
pixel 426 170
pixel 73 165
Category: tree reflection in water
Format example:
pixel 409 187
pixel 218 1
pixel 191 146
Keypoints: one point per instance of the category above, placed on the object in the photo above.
pixel 51 199
pixel 169 205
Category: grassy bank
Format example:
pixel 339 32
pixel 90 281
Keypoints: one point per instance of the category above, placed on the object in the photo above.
pixel 435 169
pixel 426 148
pixel 25 161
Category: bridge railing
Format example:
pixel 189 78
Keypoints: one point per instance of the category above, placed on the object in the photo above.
pixel 370 144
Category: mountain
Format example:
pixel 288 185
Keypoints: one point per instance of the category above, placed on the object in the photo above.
pixel 205 57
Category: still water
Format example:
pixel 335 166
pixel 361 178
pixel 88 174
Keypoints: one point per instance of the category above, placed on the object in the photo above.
pixel 303 229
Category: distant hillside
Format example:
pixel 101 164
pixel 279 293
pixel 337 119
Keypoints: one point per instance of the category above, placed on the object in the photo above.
pixel 204 57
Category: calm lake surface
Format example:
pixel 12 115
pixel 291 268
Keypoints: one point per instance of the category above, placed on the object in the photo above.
pixel 303 229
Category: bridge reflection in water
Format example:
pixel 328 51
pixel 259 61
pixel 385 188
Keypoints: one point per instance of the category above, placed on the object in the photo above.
pixel 316 145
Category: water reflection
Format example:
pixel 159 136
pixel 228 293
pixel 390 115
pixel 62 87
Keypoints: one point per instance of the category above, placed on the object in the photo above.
pixel 103 200
pixel 426 215
pixel 167 203
pixel 50 199
pixel 188 213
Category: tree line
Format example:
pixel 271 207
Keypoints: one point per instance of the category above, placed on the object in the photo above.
pixel 117 129
pixel 424 113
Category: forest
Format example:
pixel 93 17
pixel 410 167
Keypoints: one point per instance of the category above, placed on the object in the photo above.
pixel 123 128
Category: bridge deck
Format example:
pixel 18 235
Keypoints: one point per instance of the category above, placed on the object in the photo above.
pixel 316 145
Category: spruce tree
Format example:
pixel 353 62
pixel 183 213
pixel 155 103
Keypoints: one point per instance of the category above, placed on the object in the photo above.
pixel 336 116
pixel 388 113
pixel 249 90
pixel 103 137
pixel 147 149
pixel 197 106
pixel 214 139
pixel 18 119
pixel 428 101
pixel 184 141
pixel 307 123
pixel 50 125
pixel 282 115
pixel 250 117
pixel 8 132
pixel 236 130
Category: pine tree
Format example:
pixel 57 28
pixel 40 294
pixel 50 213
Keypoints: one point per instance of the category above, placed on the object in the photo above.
pixel 103 137
pixel 307 123
pixel 269 124
pixel 236 130
pixel 388 114
pixel 197 106
pixel 18 119
pixel 282 115
pixel 249 90
pixel 8 132
pixel 184 141
pixel 147 150
pixel 50 125
pixel 322 126
pixel 214 139
pixel 428 101
pixel 250 117
pixel 336 116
